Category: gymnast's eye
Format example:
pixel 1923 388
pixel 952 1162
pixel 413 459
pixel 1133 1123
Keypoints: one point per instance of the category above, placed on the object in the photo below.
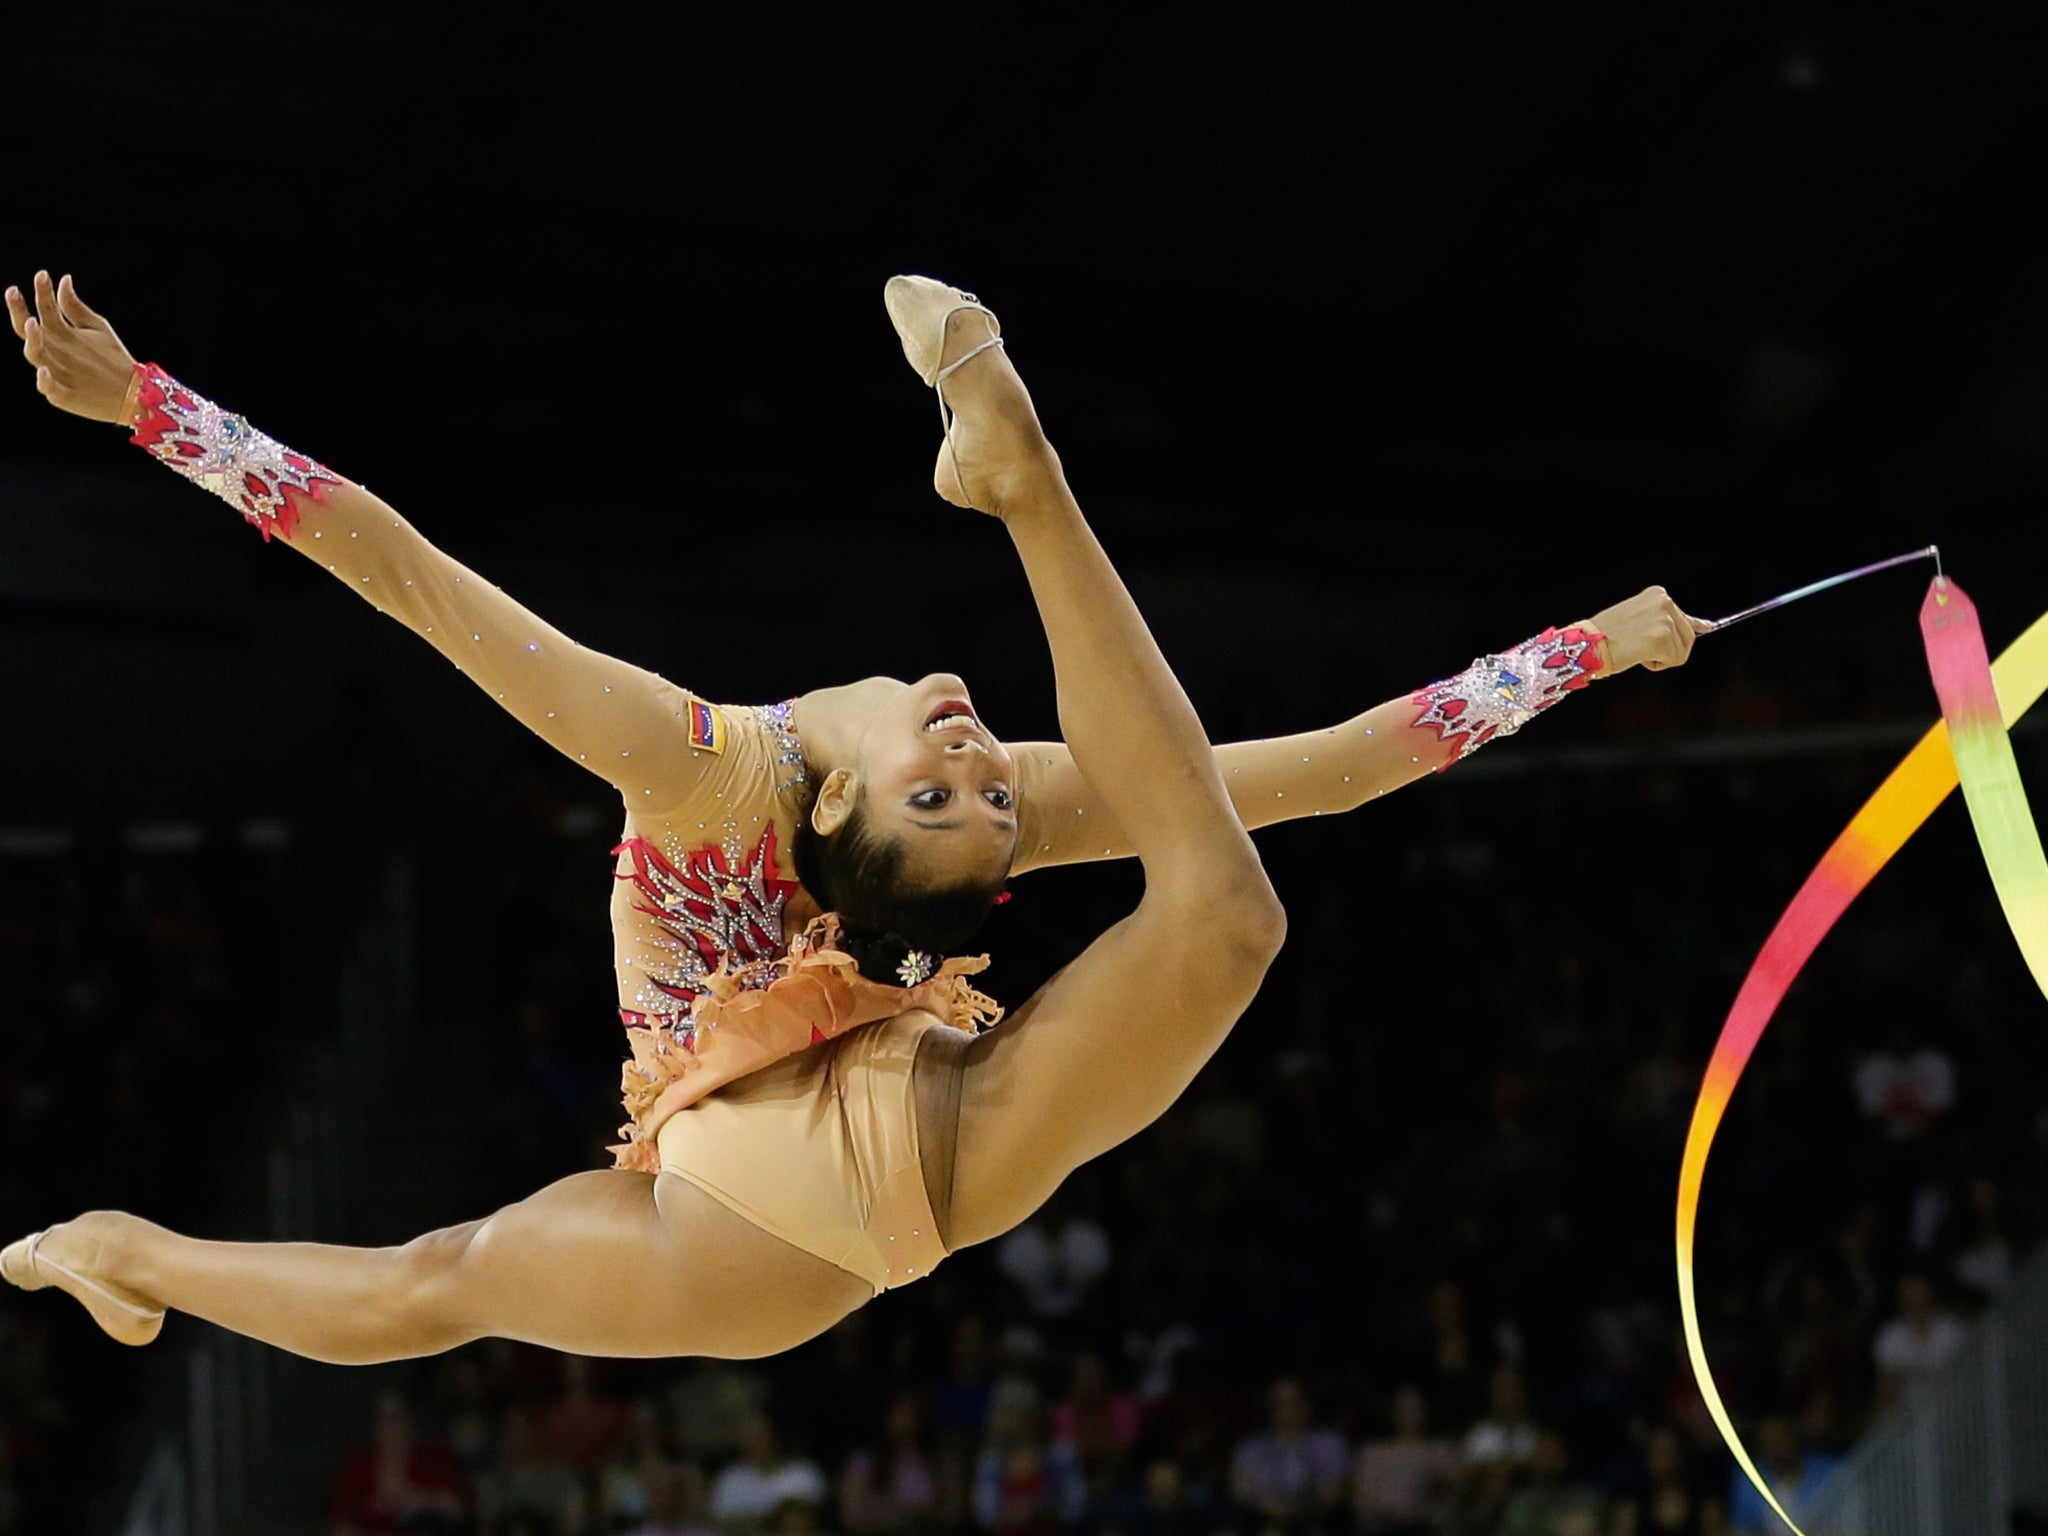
pixel 931 799
pixel 999 797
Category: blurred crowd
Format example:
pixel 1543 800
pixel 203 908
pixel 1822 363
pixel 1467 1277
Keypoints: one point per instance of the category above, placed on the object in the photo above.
pixel 1399 1263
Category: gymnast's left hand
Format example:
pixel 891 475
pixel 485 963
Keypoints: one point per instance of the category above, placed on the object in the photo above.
pixel 1648 630
pixel 80 364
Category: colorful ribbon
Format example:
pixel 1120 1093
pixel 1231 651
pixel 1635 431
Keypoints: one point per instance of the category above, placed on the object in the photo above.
pixel 1983 700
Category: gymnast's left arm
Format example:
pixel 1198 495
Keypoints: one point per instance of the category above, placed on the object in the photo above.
pixel 657 744
pixel 1340 767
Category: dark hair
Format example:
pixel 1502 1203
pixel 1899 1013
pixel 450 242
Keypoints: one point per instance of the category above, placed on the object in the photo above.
pixel 882 915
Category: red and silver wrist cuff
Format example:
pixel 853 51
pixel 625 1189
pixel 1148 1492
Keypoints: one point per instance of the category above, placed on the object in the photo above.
pixel 218 450
pixel 1498 695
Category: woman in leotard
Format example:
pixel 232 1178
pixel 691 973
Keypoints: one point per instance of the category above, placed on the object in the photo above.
pixel 820 1103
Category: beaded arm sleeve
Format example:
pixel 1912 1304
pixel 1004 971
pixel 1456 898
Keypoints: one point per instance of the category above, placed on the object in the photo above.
pixel 656 743
pixel 1498 695
pixel 1321 772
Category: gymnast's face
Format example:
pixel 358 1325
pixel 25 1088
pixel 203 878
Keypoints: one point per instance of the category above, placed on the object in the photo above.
pixel 931 775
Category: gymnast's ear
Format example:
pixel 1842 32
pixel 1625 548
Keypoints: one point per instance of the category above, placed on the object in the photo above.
pixel 835 802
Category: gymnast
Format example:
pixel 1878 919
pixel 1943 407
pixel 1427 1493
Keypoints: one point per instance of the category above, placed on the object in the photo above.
pixel 820 1104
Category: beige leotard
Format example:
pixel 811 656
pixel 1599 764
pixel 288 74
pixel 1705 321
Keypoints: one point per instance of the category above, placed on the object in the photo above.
pixel 723 966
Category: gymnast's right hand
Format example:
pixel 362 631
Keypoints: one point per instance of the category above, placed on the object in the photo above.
pixel 1648 630
pixel 80 364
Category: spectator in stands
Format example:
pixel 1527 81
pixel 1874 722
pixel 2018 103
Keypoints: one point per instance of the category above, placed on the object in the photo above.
pixel 1825 1423
pixel 1450 1356
pixel 580 1426
pixel 1098 1421
pixel 797 1517
pixel 1166 1506
pixel 677 1499
pixel 844 1392
pixel 399 1482
pixel 636 1463
pixel 891 1486
pixel 461 1410
pixel 1054 1259
pixel 960 1406
pixel 708 1404
pixel 1155 1347
pixel 1905 1087
pixel 1821 1349
pixel 1860 1262
pixel 1548 1501
pixel 1507 1436
pixel 1290 1476
pixel 1918 1341
pixel 1797 1475
pixel 747 1495
pixel 1668 1503
pixel 1496 1452
pixel 528 1479
pixel 1979 1241
pixel 1402 1481
pixel 1024 1483
pixel 1198 1424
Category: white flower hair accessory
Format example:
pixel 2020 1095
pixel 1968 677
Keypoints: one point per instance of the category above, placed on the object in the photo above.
pixel 917 967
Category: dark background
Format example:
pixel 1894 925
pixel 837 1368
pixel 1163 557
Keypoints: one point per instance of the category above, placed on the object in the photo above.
pixel 1491 309
pixel 1369 341
pixel 1386 339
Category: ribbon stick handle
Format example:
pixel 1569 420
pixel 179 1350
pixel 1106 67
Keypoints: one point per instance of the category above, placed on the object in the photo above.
pixel 1931 552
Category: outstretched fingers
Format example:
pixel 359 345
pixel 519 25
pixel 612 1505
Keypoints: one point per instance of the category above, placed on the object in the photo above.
pixel 36 348
pixel 46 302
pixel 75 310
pixel 81 365
pixel 32 326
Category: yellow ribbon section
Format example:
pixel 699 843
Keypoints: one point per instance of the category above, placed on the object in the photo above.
pixel 1908 796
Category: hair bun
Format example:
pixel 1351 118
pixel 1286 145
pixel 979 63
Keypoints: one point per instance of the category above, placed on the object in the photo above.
pixel 891 958
pixel 898 931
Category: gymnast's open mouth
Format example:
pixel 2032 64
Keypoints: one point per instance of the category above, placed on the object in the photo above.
pixel 951 715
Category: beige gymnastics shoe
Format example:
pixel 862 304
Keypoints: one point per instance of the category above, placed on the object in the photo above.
pixel 922 309
pixel 24 1267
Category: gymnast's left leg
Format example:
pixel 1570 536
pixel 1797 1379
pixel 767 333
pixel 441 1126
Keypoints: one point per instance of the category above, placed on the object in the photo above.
pixel 602 1263
pixel 1110 1042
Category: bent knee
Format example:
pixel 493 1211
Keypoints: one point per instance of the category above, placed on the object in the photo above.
pixel 1261 924
pixel 1237 921
pixel 1234 899
pixel 1251 940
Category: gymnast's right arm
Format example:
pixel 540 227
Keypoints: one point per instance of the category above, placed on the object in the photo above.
pixel 654 741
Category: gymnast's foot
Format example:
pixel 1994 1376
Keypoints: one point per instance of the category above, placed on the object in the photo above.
pixel 995 449
pixel 71 1257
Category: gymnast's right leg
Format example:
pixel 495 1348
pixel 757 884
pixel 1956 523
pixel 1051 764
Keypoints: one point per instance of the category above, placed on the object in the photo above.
pixel 601 1263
